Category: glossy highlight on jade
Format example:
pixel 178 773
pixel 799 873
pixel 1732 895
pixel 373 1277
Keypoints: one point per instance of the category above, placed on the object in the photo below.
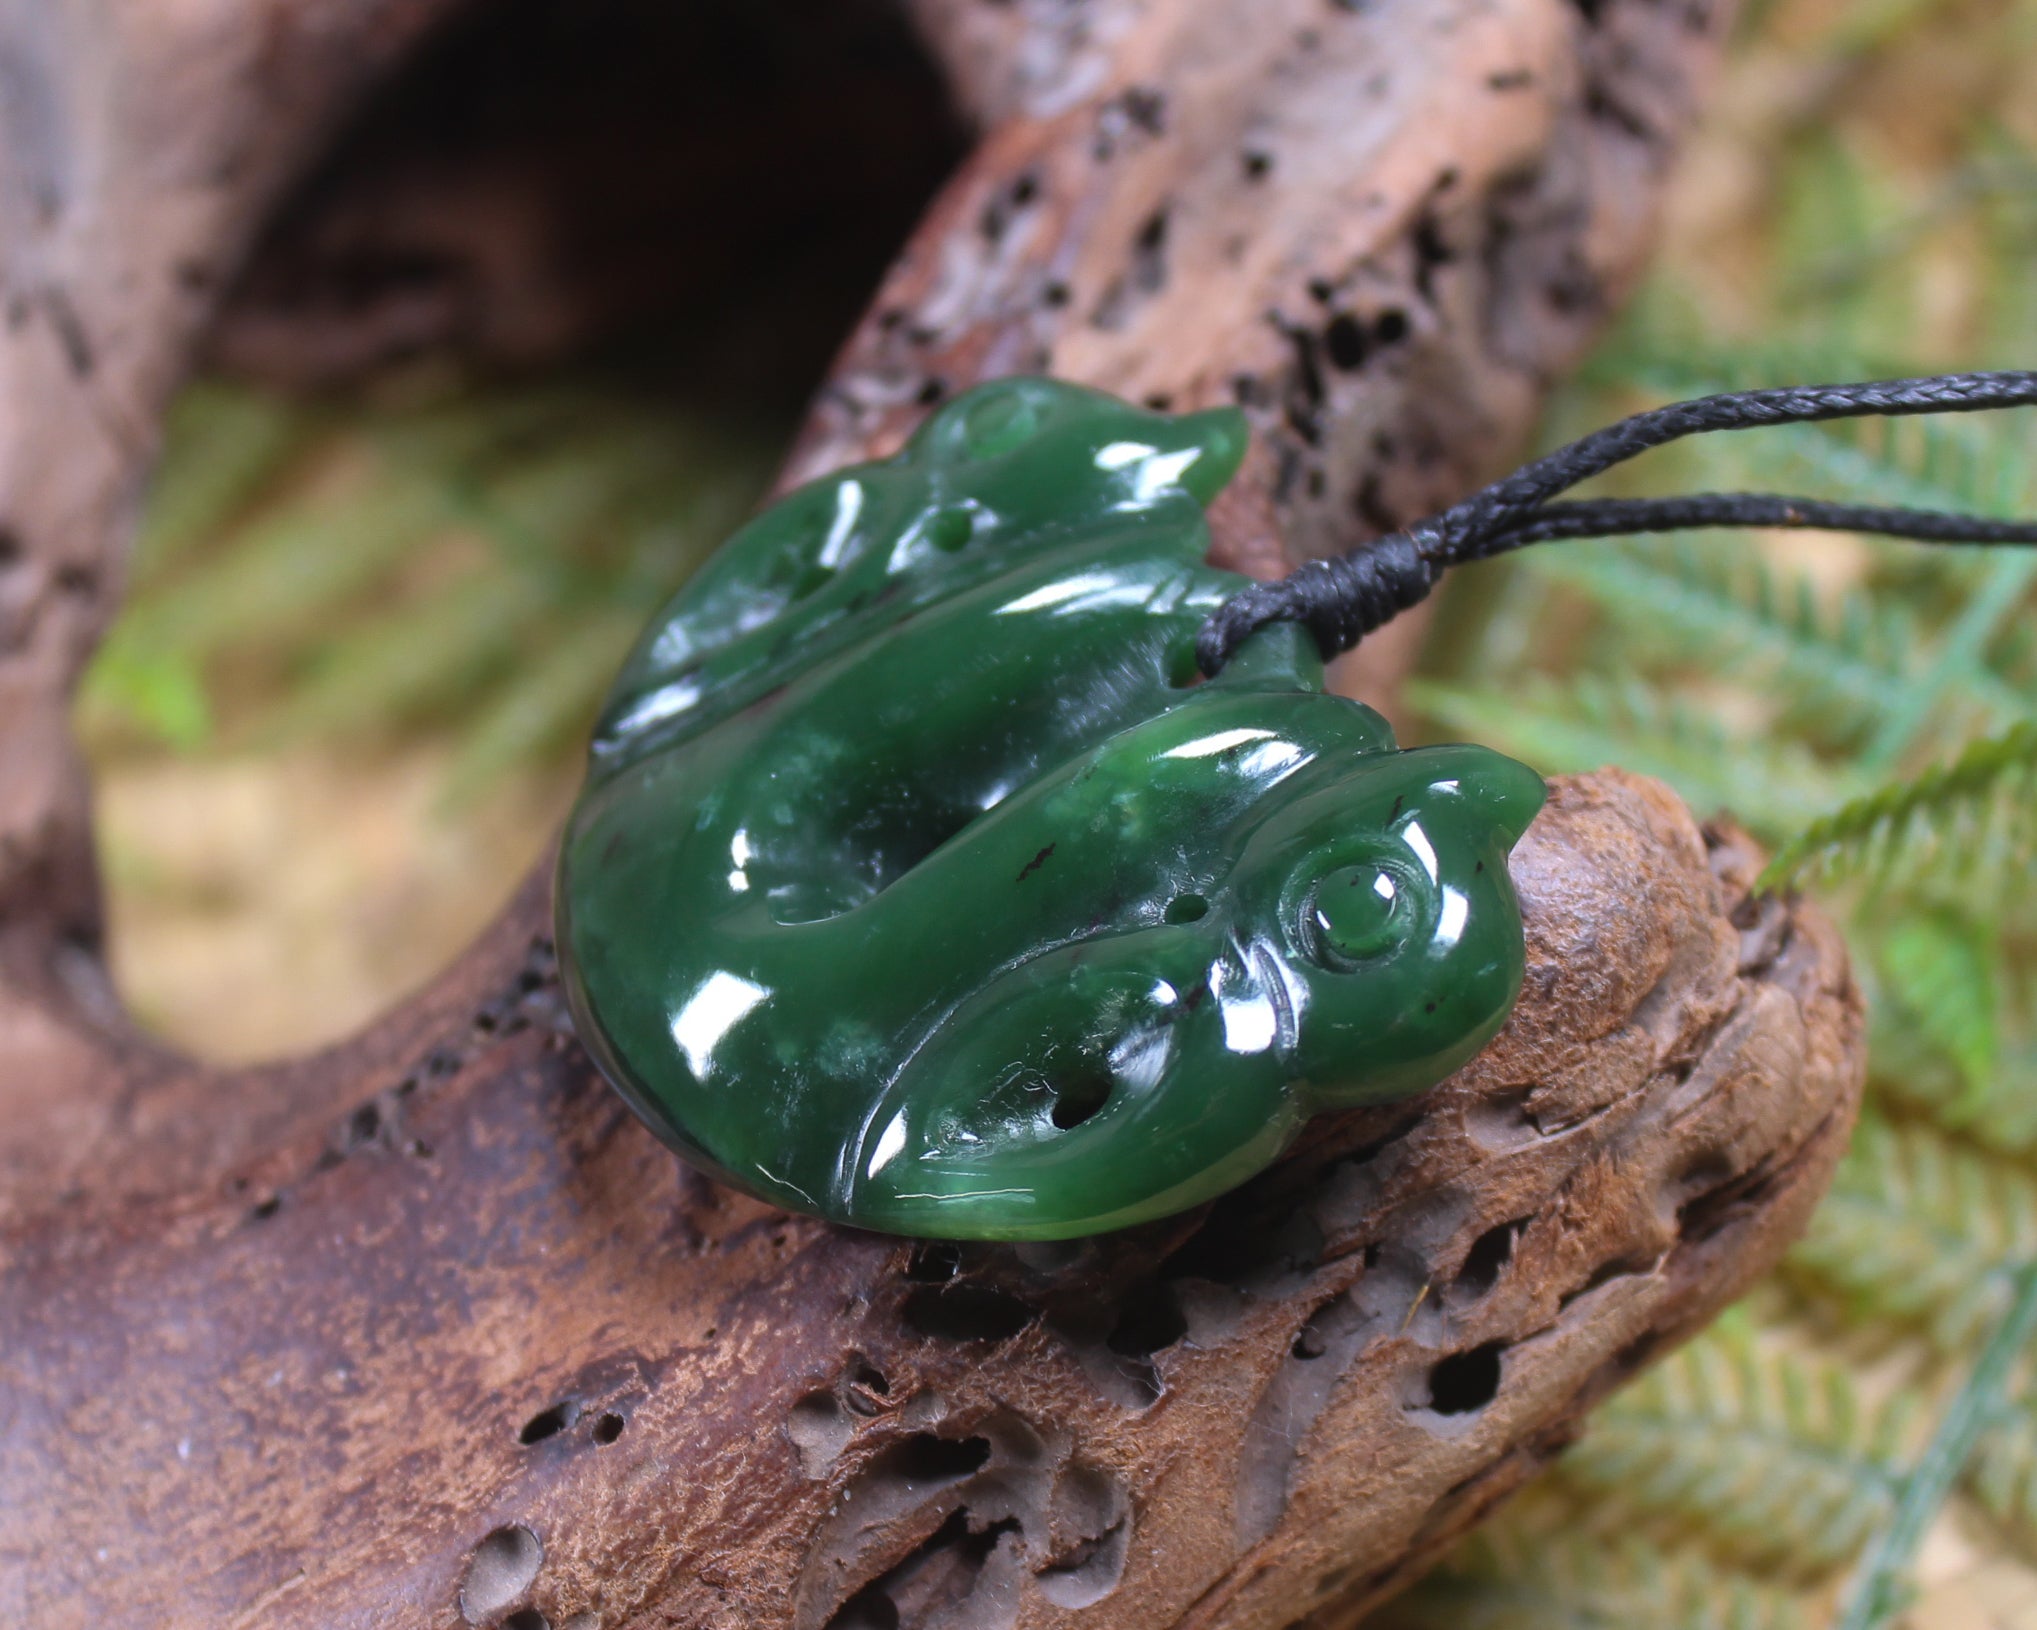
pixel 920 883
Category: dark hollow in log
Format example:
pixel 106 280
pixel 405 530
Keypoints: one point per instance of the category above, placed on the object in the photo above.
pixel 427 1330
pixel 546 177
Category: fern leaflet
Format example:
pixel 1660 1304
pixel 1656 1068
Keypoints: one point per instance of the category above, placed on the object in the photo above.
pixel 1919 1231
pixel 1975 807
pixel 1588 721
pixel 1771 1457
pixel 1521 1575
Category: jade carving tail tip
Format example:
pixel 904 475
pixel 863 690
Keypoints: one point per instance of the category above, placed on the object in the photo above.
pixel 1513 797
pixel 917 884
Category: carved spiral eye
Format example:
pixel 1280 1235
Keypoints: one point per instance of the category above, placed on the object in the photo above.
pixel 1357 914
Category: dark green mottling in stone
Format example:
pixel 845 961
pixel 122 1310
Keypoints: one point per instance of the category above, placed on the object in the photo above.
pixel 916 884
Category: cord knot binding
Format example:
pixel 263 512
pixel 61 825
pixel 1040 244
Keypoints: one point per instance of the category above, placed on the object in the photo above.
pixel 1343 599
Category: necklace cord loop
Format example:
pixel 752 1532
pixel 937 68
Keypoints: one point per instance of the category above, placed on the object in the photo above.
pixel 1342 599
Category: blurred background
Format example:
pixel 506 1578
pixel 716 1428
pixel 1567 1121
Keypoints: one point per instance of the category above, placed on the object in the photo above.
pixel 343 711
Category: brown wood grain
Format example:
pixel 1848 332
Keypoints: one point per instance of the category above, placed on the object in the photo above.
pixel 426 1330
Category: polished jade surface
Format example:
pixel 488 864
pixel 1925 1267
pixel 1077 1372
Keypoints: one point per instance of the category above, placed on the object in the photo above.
pixel 920 883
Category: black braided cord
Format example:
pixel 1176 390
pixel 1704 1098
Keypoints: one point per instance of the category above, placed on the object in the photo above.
pixel 1343 599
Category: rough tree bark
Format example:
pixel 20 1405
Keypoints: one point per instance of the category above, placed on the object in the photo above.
pixel 426 1330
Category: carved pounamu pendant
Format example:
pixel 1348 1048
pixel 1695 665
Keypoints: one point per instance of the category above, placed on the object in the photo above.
pixel 917 882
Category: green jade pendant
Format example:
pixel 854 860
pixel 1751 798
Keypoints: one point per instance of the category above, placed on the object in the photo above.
pixel 919 884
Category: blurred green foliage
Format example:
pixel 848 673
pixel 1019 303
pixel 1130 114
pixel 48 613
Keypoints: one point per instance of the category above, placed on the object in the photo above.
pixel 465 563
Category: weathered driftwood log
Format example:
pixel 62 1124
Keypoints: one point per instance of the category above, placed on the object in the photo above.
pixel 426 1330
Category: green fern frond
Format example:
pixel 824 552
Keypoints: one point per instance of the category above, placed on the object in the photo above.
pixel 1958 673
pixel 1940 972
pixel 539 513
pixel 1884 1582
pixel 1771 1457
pixel 157 695
pixel 542 709
pixel 2003 1477
pixel 385 569
pixel 415 661
pixel 1588 721
pixel 1921 1232
pixel 1664 349
pixel 1515 1576
pixel 285 574
pixel 2007 215
pixel 1908 1070
pixel 1833 201
pixel 1714 599
pixel 1972 811
pixel 223 446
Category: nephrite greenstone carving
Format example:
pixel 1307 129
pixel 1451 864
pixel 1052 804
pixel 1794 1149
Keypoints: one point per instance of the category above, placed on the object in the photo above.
pixel 920 883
